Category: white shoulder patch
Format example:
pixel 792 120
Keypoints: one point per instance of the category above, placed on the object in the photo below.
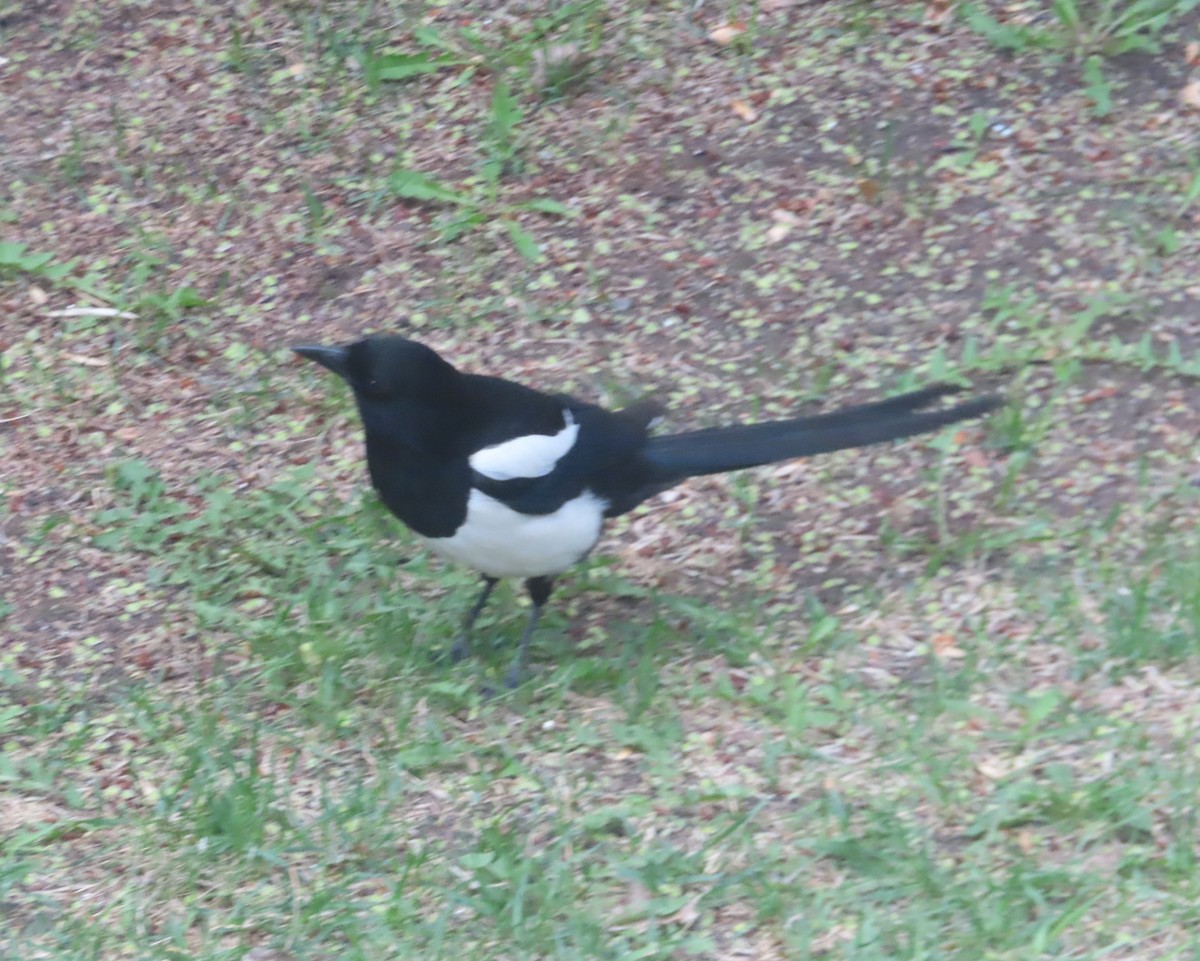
pixel 533 455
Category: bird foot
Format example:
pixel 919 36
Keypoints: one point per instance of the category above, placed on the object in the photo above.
pixel 512 681
pixel 460 650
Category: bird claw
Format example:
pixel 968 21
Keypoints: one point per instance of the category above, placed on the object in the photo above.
pixel 449 656
pixel 460 650
pixel 512 680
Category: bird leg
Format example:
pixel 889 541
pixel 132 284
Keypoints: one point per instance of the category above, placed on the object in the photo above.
pixel 462 644
pixel 539 592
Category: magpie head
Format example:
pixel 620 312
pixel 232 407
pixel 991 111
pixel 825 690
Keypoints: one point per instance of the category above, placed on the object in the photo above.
pixel 386 367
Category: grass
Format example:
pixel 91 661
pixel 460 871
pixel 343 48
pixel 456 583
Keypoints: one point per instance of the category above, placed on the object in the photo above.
pixel 1084 28
pixel 934 700
pixel 1089 31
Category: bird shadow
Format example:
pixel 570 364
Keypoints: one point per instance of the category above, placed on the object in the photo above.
pixel 601 636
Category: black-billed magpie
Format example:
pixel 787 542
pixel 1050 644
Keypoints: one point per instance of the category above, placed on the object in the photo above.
pixel 517 483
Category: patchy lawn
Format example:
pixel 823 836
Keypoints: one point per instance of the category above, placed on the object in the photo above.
pixel 932 700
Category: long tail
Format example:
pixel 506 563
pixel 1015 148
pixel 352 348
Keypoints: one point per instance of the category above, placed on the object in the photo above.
pixel 721 449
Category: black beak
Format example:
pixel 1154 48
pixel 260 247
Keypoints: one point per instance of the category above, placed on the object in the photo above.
pixel 335 358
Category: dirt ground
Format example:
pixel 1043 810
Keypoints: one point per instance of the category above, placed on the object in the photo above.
pixel 840 200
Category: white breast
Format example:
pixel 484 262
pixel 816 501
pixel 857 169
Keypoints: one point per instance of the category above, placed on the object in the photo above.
pixel 501 542
pixel 533 455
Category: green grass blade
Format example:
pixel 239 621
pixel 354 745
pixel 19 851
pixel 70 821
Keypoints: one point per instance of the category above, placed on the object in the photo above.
pixel 544 205
pixel 525 244
pixel 417 186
